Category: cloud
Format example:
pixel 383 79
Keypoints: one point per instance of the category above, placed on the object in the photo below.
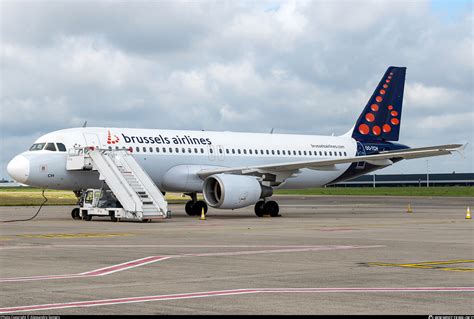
pixel 297 66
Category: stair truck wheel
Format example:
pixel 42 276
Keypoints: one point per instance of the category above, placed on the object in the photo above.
pixel 112 216
pixel 86 216
pixel 75 213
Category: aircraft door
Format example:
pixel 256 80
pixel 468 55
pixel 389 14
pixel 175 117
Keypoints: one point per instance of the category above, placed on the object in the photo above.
pixel 220 153
pixel 211 151
pixel 360 152
pixel 92 140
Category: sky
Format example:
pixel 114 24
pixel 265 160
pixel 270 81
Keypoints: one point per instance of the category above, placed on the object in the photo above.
pixel 304 67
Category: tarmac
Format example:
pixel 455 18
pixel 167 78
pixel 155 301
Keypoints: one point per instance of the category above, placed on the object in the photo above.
pixel 324 255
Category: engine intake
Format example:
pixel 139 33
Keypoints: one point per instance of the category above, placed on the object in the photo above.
pixel 229 191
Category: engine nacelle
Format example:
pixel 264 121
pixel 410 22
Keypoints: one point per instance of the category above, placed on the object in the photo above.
pixel 229 191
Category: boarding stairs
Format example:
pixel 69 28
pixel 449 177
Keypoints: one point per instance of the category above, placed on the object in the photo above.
pixel 131 185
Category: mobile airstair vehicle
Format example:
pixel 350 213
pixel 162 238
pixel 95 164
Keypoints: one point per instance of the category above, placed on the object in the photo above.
pixel 131 193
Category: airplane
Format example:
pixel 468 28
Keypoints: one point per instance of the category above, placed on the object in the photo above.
pixel 234 169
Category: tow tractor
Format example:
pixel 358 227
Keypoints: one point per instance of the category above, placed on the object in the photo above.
pixel 102 203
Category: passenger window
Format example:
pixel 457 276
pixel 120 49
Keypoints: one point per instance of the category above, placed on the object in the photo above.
pixel 330 153
pixel 294 152
pixel 164 149
pixel 61 147
pixel 202 151
pixel 211 150
pixel 304 152
pixel 250 152
pixel 233 151
pixel 183 150
pixel 116 148
pixel 50 147
pixel 227 151
pixel 325 153
pixel 195 150
pixel 238 150
pixel 144 149
pixel 309 153
pixel 110 148
pixel 177 150
pixel 320 153
pixel 299 152
pixel 268 153
pixel 245 151
pixel 151 149
pixel 345 154
pixel 189 150
pixel 340 153
pixel 261 152
pixel 220 150
pixel 171 150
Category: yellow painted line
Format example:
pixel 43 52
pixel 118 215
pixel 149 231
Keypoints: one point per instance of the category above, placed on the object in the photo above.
pixel 78 235
pixel 5 238
pixel 431 265
pixel 447 262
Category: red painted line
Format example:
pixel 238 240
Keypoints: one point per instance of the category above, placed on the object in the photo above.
pixel 92 303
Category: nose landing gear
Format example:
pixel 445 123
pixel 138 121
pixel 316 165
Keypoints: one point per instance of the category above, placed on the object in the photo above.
pixel 194 207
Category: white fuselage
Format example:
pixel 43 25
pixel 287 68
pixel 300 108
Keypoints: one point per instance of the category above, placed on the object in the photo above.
pixel 159 151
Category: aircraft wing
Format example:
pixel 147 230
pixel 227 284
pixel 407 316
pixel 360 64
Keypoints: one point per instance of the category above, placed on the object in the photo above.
pixel 381 159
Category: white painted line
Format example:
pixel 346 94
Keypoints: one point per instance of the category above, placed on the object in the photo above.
pixel 152 259
pixel 116 301
pixel 93 273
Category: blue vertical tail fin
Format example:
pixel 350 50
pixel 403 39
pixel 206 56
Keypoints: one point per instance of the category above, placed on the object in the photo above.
pixel 381 117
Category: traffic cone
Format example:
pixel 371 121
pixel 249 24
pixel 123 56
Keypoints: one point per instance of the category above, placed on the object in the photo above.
pixel 468 213
pixel 409 210
pixel 203 215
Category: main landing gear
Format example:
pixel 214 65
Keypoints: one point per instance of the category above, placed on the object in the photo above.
pixel 194 207
pixel 267 208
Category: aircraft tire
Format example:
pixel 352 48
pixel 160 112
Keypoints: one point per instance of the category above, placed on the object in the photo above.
pixel 189 208
pixel 271 208
pixel 259 208
pixel 198 206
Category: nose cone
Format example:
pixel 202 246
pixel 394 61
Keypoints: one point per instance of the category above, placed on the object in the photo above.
pixel 19 168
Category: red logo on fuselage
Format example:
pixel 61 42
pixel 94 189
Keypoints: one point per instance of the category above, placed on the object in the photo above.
pixel 111 140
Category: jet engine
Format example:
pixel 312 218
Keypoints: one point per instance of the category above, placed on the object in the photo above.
pixel 229 191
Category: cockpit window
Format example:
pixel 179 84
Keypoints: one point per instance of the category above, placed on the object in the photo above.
pixel 50 147
pixel 61 147
pixel 37 146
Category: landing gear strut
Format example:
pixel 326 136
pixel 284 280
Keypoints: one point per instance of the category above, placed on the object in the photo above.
pixel 194 207
pixel 267 208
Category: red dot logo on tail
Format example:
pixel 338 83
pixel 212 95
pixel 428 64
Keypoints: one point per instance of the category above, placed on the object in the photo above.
pixel 111 140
